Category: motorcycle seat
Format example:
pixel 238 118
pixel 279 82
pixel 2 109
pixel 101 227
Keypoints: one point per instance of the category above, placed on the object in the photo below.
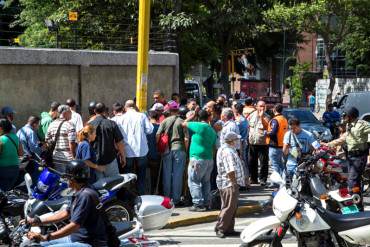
pixel 123 227
pixel 108 182
pixel 344 222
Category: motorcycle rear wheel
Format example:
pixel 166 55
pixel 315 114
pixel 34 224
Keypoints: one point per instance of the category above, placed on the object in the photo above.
pixel 119 211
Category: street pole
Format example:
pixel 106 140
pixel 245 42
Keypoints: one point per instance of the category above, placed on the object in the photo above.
pixel 142 55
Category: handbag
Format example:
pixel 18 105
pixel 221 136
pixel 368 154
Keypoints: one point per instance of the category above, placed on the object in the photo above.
pixel 47 155
pixel 164 139
pixel 215 200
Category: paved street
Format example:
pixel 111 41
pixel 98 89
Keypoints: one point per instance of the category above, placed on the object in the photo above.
pixel 204 235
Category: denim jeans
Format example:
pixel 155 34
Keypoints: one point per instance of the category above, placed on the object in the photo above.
pixel 8 177
pixel 173 164
pixel 276 158
pixel 64 242
pixel 111 170
pixel 199 174
pixel 142 163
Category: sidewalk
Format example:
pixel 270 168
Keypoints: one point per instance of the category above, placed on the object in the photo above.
pixel 248 203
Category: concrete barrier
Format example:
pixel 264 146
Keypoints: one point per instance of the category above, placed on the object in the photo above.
pixel 30 79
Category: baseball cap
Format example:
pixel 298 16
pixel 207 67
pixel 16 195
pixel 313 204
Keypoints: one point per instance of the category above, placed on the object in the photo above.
pixel 173 105
pixel 7 110
pixel 157 107
pixel 232 136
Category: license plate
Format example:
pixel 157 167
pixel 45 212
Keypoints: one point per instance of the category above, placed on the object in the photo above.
pixel 350 209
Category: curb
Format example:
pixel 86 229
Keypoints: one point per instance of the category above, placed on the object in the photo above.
pixel 209 217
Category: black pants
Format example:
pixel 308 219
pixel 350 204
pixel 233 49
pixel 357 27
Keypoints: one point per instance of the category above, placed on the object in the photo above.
pixel 258 152
pixel 356 169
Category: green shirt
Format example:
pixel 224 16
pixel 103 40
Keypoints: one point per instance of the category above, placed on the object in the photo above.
pixel 177 133
pixel 203 141
pixel 44 125
pixel 357 135
pixel 9 152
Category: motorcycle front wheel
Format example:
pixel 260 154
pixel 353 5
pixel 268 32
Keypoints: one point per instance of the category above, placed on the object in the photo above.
pixel 265 241
pixel 119 211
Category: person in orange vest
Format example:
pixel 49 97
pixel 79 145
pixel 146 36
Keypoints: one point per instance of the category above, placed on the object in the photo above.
pixel 277 128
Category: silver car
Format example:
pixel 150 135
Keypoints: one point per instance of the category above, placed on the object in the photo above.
pixel 309 122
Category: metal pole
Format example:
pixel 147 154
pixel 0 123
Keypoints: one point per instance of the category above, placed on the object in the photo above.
pixel 142 55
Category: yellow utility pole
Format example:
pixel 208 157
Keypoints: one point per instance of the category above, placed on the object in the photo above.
pixel 142 55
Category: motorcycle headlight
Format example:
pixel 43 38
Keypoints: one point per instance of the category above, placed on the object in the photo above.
pixel 42 187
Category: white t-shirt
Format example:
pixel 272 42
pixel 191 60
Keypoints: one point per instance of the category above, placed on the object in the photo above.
pixel 76 120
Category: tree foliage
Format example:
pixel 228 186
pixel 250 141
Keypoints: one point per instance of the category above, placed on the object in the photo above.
pixel 296 81
pixel 333 20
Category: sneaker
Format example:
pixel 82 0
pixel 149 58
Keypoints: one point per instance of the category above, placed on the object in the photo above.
pixel 196 208
pixel 220 234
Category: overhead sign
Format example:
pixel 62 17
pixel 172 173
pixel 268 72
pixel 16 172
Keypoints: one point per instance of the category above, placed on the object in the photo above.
pixel 72 16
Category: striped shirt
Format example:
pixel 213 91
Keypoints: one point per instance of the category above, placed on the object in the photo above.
pixel 228 161
pixel 62 152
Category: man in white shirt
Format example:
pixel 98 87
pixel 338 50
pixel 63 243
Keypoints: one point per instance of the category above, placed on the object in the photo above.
pixel 135 126
pixel 76 118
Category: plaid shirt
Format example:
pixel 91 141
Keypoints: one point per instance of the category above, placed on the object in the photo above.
pixel 228 161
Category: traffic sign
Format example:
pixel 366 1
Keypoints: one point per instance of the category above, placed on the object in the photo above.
pixel 16 40
pixel 72 16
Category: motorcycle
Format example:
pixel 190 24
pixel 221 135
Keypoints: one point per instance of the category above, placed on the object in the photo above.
pixel 118 198
pixel 310 223
pixel 11 212
pixel 130 233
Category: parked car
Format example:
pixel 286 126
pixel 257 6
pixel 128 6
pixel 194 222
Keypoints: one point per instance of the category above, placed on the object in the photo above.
pixel 308 122
pixel 360 100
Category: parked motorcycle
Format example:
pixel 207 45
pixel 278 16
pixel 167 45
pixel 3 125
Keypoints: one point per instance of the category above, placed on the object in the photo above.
pixel 11 212
pixel 311 224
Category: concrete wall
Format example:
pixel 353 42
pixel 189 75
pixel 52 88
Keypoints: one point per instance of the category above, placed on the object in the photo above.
pixel 32 78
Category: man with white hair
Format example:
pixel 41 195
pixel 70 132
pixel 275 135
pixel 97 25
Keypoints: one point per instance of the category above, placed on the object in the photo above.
pixel 135 126
pixel 227 117
pixel 63 133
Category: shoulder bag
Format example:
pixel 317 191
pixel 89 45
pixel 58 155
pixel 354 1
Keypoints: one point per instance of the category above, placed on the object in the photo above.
pixel 47 155
pixel 164 139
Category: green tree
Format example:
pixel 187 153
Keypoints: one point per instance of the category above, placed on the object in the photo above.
pixel 296 81
pixel 331 19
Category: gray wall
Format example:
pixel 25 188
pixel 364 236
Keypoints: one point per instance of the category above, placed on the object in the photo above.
pixel 32 78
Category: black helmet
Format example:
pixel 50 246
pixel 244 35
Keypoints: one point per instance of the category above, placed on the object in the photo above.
pixel 352 112
pixel 182 111
pixel 77 170
pixel 91 107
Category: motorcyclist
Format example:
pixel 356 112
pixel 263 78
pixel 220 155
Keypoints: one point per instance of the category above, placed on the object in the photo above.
pixel 331 118
pixel 86 227
pixel 357 149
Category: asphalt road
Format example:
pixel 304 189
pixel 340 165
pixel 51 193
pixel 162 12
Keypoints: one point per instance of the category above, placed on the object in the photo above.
pixel 203 235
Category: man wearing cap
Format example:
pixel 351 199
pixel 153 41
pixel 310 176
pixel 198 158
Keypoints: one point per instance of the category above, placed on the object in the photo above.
pixel 46 119
pixel 8 113
pixel 135 126
pixel 76 118
pixel 356 139
pixel 158 108
pixel 230 177
pixel 65 148
pixel 173 161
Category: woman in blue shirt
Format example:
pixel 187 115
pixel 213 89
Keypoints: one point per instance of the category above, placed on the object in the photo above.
pixel 85 151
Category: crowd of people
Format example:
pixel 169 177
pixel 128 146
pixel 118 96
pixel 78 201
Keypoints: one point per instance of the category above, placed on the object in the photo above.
pixel 188 150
